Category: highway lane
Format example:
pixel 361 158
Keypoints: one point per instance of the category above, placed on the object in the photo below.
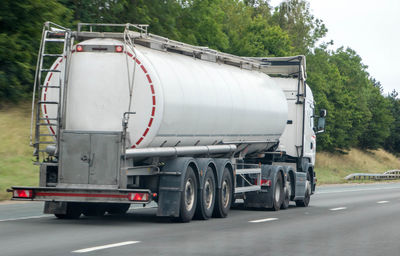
pixel 353 220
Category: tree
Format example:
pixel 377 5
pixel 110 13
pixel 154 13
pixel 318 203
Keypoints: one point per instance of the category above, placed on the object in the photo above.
pixel 392 142
pixel 294 16
pixel 21 22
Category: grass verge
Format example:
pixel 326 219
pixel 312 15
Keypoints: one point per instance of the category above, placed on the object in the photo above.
pixel 16 166
pixel 332 168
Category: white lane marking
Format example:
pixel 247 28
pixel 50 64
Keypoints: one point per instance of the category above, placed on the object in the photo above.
pixel 338 208
pixel 263 220
pixel 26 218
pixel 102 247
pixel 354 190
pixel 382 202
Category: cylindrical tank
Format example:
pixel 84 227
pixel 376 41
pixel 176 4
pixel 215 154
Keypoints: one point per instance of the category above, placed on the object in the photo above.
pixel 179 100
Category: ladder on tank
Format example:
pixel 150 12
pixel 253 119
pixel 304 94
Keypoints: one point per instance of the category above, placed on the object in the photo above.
pixel 56 43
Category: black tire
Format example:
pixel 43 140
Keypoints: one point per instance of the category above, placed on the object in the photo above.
pixel 74 211
pixel 94 210
pixel 278 195
pixel 286 192
pixel 188 196
pixel 307 196
pixel 224 196
pixel 118 209
pixel 206 198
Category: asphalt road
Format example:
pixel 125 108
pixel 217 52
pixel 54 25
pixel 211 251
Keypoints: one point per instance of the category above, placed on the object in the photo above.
pixel 341 220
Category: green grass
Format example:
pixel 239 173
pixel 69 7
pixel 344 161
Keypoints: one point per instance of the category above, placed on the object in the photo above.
pixel 332 168
pixel 16 166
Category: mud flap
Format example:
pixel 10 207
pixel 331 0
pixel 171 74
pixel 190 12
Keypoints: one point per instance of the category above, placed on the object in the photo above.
pixel 301 182
pixel 55 208
pixel 264 198
pixel 171 186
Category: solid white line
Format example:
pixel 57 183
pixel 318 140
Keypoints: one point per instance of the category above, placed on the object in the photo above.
pixel 354 190
pixel 263 220
pixel 26 218
pixel 105 246
pixel 338 208
pixel 382 202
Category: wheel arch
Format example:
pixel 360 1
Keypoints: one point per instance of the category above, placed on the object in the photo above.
pixel 171 180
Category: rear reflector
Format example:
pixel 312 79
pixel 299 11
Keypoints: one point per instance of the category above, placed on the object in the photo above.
pixel 23 193
pixel 265 182
pixel 119 48
pixel 143 197
pixel 79 48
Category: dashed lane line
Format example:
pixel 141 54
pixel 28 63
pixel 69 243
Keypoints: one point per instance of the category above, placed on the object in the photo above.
pixel 338 208
pixel 382 202
pixel 263 220
pixel 102 247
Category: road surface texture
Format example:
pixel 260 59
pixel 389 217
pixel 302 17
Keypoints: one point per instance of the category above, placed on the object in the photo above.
pixel 341 220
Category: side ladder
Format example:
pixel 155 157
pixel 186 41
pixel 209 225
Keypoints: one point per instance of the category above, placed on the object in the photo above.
pixel 56 43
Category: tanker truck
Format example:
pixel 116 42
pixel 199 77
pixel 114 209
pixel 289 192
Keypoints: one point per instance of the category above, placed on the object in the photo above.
pixel 121 116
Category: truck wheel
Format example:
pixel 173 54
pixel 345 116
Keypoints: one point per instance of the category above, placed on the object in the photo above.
pixel 205 204
pixel 118 208
pixel 188 196
pixel 307 195
pixel 74 211
pixel 224 196
pixel 94 210
pixel 286 192
pixel 278 194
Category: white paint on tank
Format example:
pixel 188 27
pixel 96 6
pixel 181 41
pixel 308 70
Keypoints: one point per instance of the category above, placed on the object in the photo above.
pixel 177 99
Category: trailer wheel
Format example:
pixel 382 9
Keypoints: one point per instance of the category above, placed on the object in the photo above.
pixel 205 204
pixel 94 210
pixel 304 202
pixel 224 196
pixel 74 211
pixel 286 192
pixel 118 208
pixel 188 196
pixel 278 194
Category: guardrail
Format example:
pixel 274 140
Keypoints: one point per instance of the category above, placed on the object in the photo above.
pixel 388 175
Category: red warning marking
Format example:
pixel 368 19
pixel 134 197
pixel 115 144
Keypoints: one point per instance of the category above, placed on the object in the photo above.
pixel 145 132
pixel 148 78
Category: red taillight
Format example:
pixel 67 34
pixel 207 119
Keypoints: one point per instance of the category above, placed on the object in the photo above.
pixel 143 197
pixel 265 182
pixel 119 48
pixel 79 48
pixel 23 193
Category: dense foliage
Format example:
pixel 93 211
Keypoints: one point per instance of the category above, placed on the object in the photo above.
pixel 358 114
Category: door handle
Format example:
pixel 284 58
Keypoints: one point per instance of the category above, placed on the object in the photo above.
pixel 91 160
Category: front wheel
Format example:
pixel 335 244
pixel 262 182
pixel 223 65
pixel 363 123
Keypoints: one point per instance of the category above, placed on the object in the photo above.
pixel 188 196
pixel 307 196
pixel 224 196
pixel 287 192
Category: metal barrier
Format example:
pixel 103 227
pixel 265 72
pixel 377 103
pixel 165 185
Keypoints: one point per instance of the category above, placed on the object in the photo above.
pixel 388 175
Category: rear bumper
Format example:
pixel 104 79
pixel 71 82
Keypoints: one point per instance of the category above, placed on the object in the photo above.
pixel 81 195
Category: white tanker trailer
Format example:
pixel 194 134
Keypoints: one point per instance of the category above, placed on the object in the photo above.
pixel 132 117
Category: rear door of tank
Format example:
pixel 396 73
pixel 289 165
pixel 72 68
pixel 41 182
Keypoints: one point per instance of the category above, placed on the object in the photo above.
pixel 104 165
pixel 74 157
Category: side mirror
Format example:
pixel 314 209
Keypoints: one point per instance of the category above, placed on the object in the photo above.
pixel 321 122
pixel 321 125
pixel 322 113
